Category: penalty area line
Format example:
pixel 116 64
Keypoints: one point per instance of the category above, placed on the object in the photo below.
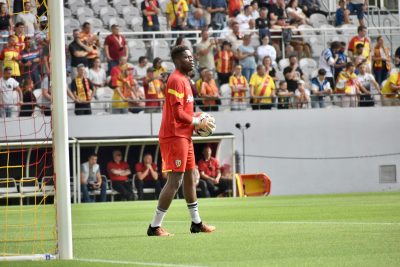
pixel 116 262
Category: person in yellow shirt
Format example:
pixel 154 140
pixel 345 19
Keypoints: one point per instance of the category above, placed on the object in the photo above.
pixel 177 14
pixel 348 85
pixel 391 90
pixel 262 89
pixel 239 86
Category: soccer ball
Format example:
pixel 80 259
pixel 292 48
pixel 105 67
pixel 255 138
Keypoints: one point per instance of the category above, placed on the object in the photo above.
pixel 205 116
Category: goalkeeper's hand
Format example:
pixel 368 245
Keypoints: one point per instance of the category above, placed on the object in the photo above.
pixel 207 124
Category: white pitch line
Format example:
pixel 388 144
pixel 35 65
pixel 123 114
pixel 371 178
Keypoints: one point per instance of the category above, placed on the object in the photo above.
pixel 254 222
pixel 136 263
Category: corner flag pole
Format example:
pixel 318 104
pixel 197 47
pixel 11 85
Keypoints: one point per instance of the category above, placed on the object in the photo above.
pixel 60 128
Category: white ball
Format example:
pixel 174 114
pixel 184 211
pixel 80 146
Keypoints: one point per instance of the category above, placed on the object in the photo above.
pixel 209 131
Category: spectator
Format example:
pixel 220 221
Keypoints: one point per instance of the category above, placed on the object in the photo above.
pixel 181 40
pixel 28 18
pixel 244 17
pixel 30 63
pixel 224 60
pixel 83 91
pixel 262 23
pixel 123 92
pixel 147 176
pixel 283 95
pixel 295 14
pixel 397 57
pixel 293 73
pixel 199 83
pixel 6 23
pixel 205 51
pixel 234 7
pixel 97 75
pixel 10 57
pixel 46 96
pixel 203 4
pixel 262 89
pixel 341 60
pixel 327 60
pixel 136 103
pixel 118 172
pixel 79 52
pixel 246 55
pixel 210 173
pixel 42 33
pixel 255 13
pixel 141 68
pixel 7 86
pixel 197 20
pixel 312 7
pixel 201 185
pixel 391 89
pixel 357 7
pixel 279 9
pixel 159 69
pixel 320 87
pixel 150 10
pixel 45 56
pixel 239 86
pixel 115 47
pixel 347 84
pixel 20 36
pixel 265 49
pixel 28 99
pixel 235 37
pixel 218 10
pixel 117 70
pixel 302 95
pixel 91 180
pixel 153 90
pixel 367 84
pixel 269 69
pixel 90 40
pixel 381 60
pixel 209 92
pixel 342 14
pixel 177 14
pixel 361 38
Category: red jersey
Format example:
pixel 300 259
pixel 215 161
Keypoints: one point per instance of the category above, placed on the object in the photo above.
pixel 140 167
pixel 177 92
pixel 152 90
pixel 113 165
pixel 224 60
pixel 209 167
pixel 116 46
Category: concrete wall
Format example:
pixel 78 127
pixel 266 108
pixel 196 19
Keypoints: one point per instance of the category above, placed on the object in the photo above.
pixel 317 142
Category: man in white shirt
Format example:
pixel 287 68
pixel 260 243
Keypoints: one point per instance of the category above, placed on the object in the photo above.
pixel 243 18
pixel 28 18
pixel 141 69
pixel 265 49
pixel 302 95
pixel 7 86
pixel 369 87
pixel 327 61
pixel 91 180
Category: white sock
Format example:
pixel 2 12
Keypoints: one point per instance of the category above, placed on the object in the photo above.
pixel 158 217
pixel 194 212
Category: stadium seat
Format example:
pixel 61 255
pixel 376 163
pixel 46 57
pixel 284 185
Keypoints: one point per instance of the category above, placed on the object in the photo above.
pixel 84 13
pixel 163 23
pixel 161 49
pixel 97 5
pixel 317 20
pixel 105 94
pixel 280 75
pixel 317 45
pixel 67 12
pixel 75 4
pixel 8 189
pixel 255 41
pixel 347 31
pixel 163 5
pixel 308 65
pixel 70 24
pixel 225 92
pixel 306 31
pixel 120 5
pixel 106 13
pixel 283 63
pixel 137 48
pixel 96 23
pixel 117 20
pixel 129 13
pixel 136 24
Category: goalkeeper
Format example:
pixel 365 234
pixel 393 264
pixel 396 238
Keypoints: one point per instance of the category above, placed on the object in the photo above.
pixel 176 144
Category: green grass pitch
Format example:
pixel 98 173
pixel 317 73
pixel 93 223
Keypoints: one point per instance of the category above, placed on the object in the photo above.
pixel 318 230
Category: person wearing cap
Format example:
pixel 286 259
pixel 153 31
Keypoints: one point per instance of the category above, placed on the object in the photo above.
pixel 224 59
pixel 42 33
pixel 115 47
pixel 262 89
pixel 347 85
pixel 153 90
pixel 239 86
pixel 7 86
pixel 320 87
pixel 391 89
pixel 302 95
pixel 28 18
pixel 83 91
pixel 10 57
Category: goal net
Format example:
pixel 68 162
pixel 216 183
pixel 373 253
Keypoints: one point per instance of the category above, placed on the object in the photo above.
pixel 29 217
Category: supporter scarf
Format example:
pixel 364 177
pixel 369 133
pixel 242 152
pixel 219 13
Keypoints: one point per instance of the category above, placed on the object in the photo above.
pixel 238 81
pixel 264 87
pixel 177 12
pixel 379 64
pixel 125 86
pixel 83 89
pixel 149 8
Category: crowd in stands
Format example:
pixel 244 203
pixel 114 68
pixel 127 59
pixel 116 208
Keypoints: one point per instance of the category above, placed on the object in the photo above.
pixel 212 180
pixel 245 56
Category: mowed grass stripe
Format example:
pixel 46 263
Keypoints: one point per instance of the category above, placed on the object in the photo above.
pixel 325 230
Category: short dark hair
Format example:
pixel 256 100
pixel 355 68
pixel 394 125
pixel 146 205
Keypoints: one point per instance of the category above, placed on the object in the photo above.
pixel 92 155
pixel 85 24
pixel 282 82
pixel 321 72
pixel 335 45
pixel 292 56
pixel 349 64
pixel 358 46
pixel 141 58
pixel 361 28
pixel 177 51
pixel 19 24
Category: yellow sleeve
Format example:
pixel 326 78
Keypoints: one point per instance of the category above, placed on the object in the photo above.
pixel 169 9
pixel 253 79
pixel 231 81
pixel 185 6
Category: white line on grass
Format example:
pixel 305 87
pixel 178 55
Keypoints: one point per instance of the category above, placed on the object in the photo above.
pixel 252 222
pixel 136 263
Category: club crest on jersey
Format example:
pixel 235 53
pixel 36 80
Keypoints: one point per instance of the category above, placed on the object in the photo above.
pixel 178 163
pixel 190 99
